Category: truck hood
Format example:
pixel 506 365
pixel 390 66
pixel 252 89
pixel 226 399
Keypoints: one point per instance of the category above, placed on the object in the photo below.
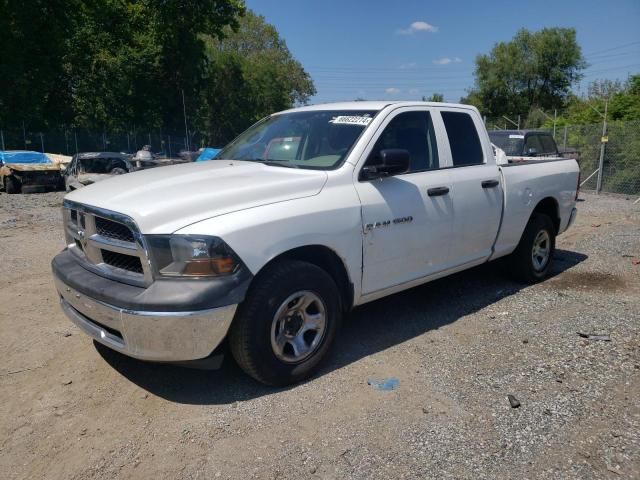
pixel 163 200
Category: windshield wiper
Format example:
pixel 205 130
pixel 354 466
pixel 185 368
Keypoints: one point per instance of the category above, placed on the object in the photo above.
pixel 276 163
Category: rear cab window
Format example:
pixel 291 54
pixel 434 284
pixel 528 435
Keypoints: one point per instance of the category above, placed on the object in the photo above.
pixel 548 145
pixel 533 141
pixel 464 141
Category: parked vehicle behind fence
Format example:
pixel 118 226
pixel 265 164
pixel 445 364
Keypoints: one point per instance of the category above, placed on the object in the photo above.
pixel 523 145
pixel 306 215
pixel 24 170
pixel 91 167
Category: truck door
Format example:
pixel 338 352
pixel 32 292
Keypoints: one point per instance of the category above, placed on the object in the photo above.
pixel 475 189
pixel 407 218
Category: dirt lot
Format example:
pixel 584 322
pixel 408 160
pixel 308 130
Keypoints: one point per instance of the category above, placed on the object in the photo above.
pixel 458 347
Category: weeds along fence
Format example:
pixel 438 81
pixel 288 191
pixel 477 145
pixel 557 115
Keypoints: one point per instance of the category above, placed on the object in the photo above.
pixel 621 159
pixel 71 141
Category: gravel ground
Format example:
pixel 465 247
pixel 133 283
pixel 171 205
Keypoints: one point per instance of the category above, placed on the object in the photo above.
pixel 458 347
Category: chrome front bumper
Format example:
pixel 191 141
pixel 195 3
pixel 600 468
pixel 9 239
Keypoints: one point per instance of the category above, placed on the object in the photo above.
pixel 154 336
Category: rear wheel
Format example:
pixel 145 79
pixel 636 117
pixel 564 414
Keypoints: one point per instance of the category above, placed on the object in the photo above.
pixel 118 171
pixel 531 260
pixel 12 185
pixel 287 323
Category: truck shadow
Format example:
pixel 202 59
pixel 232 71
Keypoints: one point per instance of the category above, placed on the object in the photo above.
pixel 371 328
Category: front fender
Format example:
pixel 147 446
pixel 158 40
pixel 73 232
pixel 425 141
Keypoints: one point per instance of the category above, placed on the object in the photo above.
pixel 258 235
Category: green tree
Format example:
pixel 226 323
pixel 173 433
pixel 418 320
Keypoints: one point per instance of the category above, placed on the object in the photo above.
pixel 106 64
pixel 435 97
pixel 251 73
pixel 534 69
pixel 34 86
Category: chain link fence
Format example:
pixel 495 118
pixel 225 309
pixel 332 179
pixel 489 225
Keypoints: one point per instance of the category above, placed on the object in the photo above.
pixel 621 159
pixel 620 173
pixel 71 141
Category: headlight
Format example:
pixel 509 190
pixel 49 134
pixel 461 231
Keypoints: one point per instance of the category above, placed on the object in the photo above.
pixel 191 256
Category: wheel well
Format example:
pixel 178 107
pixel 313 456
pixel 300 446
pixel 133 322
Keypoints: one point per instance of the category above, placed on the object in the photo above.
pixel 329 261
pixel 549 207
pixel 119 164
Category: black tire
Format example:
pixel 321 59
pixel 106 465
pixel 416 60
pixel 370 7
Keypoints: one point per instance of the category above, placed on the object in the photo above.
pixel 250 334
pixel 522 264
pixel 118 171
pixel 12 185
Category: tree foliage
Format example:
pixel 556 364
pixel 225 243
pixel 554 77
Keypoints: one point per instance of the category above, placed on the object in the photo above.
pixel 534 69
pixel 124 64
pixel 33 80
pixel 252 74
pixel 435 97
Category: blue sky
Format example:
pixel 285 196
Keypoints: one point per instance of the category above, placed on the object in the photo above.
pixel 408 48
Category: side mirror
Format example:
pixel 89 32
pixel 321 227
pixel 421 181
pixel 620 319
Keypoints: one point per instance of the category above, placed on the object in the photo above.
pixel 392 161
pixel 531 152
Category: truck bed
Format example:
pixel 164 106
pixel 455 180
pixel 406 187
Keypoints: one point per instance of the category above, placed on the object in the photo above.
pixel 527 183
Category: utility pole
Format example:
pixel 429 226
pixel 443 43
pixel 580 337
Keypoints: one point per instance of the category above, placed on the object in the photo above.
pixel 603 142
pixel 186 128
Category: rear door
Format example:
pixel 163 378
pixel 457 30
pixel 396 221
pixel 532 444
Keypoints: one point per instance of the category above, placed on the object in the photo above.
pixel 407 218
pixel 476 191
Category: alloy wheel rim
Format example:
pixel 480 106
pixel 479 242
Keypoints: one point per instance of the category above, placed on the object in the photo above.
pixel 541 250
pixel 298 327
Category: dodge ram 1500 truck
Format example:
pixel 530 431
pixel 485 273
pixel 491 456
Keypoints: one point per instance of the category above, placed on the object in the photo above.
pixel 307 214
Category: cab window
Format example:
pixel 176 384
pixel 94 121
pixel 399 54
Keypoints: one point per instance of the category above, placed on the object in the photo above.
pixel 463 139
pixel 548 145
pixel 414 132
pixel 533 141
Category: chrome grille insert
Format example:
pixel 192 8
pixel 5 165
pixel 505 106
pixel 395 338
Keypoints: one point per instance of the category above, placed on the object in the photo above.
pixel 122 261
pixel 111 229
pixel 107 243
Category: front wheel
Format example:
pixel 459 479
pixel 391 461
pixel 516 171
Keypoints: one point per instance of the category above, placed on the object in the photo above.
pixel 287 323
pixel 531 260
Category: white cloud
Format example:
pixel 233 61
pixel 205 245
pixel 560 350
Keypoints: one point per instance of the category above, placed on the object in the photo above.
pixel 405 66
pixel 418 27
pixel 413 91
pixel 392 91
pixel 447 60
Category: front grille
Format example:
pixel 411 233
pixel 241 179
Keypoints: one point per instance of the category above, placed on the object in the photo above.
pixel 107 243
pixel 122 261
pixel 115 230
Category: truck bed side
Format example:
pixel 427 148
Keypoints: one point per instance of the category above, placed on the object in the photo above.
pixel 525 185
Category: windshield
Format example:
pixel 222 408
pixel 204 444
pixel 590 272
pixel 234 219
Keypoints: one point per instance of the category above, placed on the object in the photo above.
pixel 512 144
pixel 319 139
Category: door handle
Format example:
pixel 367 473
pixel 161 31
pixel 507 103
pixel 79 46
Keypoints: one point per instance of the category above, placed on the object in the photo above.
pixel 490 183
pixel 434 192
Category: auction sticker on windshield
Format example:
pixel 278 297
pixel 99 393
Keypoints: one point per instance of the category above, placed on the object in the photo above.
pixel 351 120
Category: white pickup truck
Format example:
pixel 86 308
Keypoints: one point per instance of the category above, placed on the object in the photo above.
pixel 306 215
